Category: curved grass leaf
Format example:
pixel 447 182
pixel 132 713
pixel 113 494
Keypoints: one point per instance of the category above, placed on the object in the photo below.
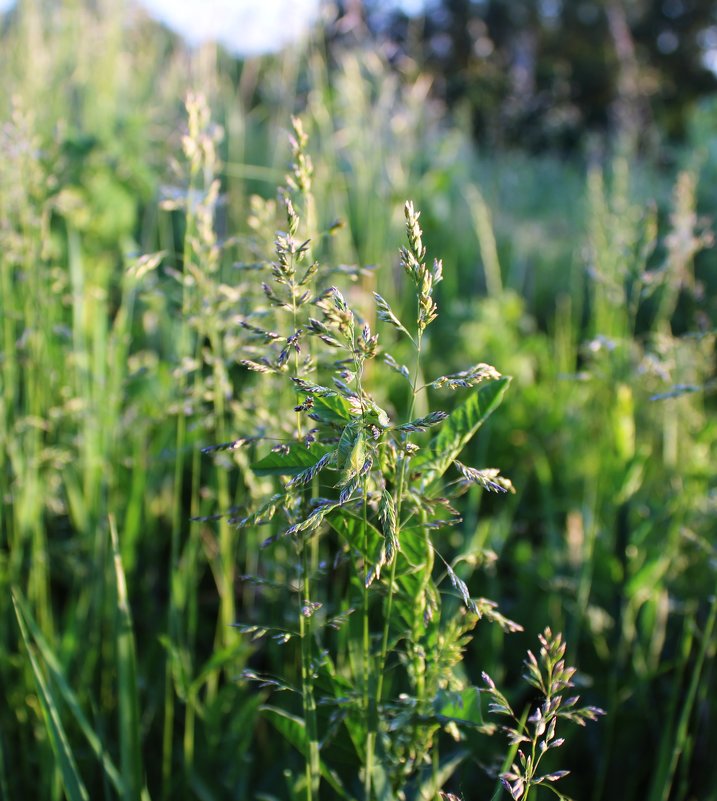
pixel 364 538
pixel 57 677
pixel 71 781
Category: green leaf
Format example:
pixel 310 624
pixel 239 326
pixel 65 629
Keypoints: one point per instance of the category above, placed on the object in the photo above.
pixel 458 429
pixel 71 780
pixel 331 409
pixel 350 528
pixel 289 461
pixel 364 538
pixel 293 729
pixel 413 576
pixel 463 707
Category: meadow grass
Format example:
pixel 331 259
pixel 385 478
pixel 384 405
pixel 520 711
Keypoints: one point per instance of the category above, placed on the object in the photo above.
pixel 121 668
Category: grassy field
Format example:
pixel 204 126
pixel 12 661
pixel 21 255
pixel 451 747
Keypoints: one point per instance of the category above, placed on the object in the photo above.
pixel 205 593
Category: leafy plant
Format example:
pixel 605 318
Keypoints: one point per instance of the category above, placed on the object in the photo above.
pixel 362 493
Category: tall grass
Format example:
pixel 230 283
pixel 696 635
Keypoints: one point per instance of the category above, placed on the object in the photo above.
pixel 120 668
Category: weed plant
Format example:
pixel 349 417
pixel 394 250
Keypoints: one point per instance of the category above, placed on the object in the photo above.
pixel 380 617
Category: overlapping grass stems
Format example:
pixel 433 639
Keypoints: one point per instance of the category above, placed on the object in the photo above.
pixel 381 616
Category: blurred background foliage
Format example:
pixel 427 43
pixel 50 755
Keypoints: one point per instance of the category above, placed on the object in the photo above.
pixel 544 73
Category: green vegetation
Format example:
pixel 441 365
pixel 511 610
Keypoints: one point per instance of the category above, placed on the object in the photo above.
pixel 254 542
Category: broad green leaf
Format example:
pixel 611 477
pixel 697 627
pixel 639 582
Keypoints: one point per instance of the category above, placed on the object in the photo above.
pixel 350 528
pixel 462 707
pixel 458 429
pixel 57 677
pixel 415 547
pixel 130 750
pixel 290 461
pixel 293 729
pixel 332 409
pixel 364 538
pixel 71 781
pixel 413 574
pixel 381 783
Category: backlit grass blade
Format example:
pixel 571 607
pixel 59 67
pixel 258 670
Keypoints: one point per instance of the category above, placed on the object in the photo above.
pixel 57 677
pixel 130 755
pixel 71 780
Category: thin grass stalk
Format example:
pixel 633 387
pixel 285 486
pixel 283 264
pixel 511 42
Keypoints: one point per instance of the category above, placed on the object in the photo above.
pixel 682 734
pixel 130 747
pixel 412 260
pixel 312 763
pixel 663 757
pixel 480 212
pixel 71 780
pixel 191 558
pixel 398 498
pixel 369 704
pixel 57 677
pixel 183 349
pixel 226 532
pixel 388 607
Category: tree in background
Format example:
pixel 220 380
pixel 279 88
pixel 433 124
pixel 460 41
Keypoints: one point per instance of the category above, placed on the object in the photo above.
pixel 542 73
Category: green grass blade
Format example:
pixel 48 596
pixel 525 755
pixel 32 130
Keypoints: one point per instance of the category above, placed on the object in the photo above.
pixel 293 729
pixel 682 735
pixel 130 754
pixel 71 780
pixel 57 676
